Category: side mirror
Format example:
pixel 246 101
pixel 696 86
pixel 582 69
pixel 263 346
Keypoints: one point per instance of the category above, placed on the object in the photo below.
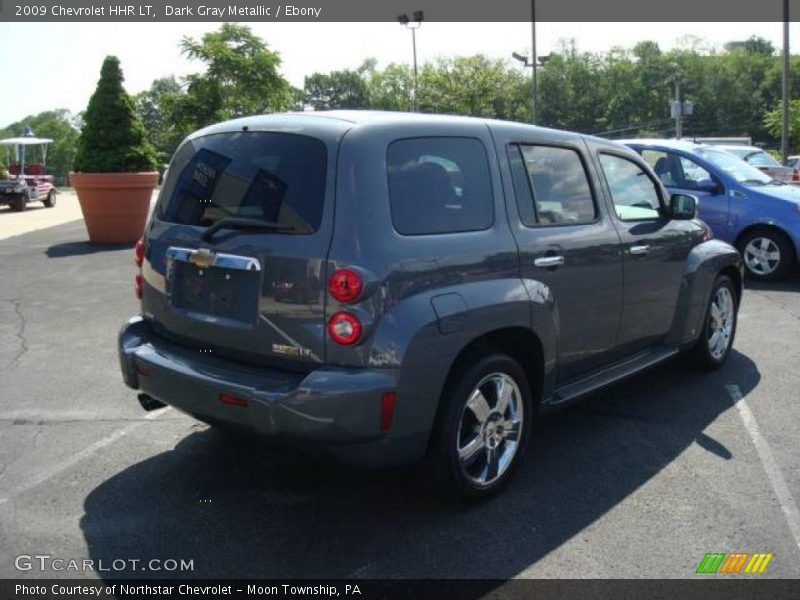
pixel 683 207
pixel 707 185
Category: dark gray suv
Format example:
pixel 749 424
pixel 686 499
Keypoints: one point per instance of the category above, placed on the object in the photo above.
pixel 395 287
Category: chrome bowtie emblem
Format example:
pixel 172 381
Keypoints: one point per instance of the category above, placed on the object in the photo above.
pixel 203 257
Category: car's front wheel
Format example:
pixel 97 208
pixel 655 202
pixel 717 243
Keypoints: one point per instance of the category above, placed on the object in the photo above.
pixel 767 253
pixel 719 329
pixel 483 427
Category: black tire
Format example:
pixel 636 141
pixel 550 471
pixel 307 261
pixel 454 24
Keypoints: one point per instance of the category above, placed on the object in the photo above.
pixel 18 203
pixel 702 355
pixel 50 200
pixel 775 239
pixel 444 468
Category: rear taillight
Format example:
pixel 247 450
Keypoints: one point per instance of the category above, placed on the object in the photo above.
pixel 138 258
pixel 138 253
pixel 344 328
pixel 137 285
pixel 796 175
pixel 232 400
pixel 345 285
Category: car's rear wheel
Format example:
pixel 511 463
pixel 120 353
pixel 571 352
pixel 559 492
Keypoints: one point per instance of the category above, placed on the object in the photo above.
pixel 18 202
pixel 483 427
pixel 719 328
pixel 50 199
pixel 768 254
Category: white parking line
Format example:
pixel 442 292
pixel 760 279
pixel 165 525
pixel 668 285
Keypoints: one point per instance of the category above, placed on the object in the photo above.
pixel 785 499
pixel 81 455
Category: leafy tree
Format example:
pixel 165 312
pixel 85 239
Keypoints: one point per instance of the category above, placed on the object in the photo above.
pixel 754 45
pixel 773 121
pixel 159 110
pixel 62 127
pixel 472 85
pixel 241 78
pixel 338 89
pixel 113 138
pixel 392 88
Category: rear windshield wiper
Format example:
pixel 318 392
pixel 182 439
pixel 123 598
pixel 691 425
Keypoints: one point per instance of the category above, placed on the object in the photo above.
pixel 243 223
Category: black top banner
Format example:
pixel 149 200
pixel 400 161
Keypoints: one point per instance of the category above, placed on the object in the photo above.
pixel 388 10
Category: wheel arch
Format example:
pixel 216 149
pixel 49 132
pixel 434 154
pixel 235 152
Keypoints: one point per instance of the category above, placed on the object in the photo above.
pixel 768 225
pixel 520 343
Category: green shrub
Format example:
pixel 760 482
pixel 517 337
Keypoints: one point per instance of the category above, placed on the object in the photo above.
pixel 113 139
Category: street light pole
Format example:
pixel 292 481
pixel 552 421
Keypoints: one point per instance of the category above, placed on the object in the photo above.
pixel 535 60
pixel 413 23
pixel 785 99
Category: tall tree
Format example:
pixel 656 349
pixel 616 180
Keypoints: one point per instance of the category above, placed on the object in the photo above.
pixel 242 77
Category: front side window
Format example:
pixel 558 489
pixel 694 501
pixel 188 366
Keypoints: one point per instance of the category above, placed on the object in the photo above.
pixel 273 177
pixel 634 194
pixel 736 168
pixel 674 170
pixel 559 187
pixel 439 185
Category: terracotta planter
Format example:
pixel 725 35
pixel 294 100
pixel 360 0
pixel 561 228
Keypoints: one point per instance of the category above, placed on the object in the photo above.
pixel 114 205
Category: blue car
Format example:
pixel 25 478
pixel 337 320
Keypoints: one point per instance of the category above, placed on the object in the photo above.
pixel 741 204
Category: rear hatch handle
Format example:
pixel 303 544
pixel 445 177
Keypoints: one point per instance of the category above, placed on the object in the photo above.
pixel 243 223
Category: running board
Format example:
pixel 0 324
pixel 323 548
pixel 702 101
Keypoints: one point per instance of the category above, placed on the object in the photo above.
pixel 632 366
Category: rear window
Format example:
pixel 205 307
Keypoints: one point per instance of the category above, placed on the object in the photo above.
pixel 272 177
pixel 439 185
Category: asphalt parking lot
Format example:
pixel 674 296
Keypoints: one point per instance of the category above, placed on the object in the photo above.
pixel 640 480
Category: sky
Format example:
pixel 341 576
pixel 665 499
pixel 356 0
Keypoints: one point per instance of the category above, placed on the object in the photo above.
pixel 59 63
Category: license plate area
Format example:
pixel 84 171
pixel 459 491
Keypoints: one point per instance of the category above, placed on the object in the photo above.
pixel 221 287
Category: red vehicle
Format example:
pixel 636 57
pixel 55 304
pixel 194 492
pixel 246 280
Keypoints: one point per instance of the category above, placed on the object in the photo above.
pixel 26 181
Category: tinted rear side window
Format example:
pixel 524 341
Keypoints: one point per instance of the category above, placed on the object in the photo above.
pixel 439 185
pixel 257 175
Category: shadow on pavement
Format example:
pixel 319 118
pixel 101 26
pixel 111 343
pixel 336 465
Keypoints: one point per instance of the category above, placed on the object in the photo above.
pixel 82 248
pixel 790 284
pixel 241 509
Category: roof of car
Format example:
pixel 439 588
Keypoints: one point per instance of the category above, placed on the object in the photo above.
pixel 341 120
pixel 729 147
pixel 685 145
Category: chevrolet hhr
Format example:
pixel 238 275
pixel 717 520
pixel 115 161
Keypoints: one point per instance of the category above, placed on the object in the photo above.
pixel 398 288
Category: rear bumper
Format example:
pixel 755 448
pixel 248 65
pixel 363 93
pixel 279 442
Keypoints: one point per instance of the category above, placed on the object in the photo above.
pixel 338 409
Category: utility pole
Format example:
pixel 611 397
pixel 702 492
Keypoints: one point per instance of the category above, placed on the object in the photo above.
pixel 785 99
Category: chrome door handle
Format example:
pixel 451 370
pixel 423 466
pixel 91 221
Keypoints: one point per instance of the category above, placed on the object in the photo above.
pixel 641 249
pixel 548 261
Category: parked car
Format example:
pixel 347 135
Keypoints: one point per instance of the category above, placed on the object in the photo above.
pixel 793 161
pixel 477 272
pixel 763 161
pixel 743 206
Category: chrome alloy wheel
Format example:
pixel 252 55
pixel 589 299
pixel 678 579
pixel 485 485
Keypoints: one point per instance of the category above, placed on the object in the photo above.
pixel 720 322
pixel 490 428
pixel 762 255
